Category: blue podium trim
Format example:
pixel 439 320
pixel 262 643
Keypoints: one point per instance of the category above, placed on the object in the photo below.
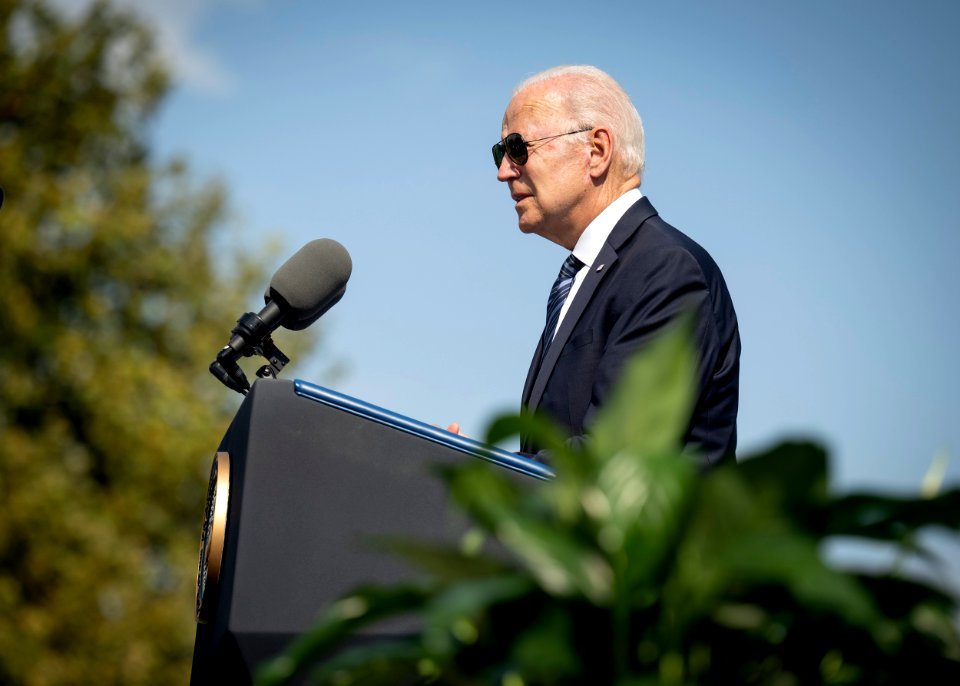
pixel 462 444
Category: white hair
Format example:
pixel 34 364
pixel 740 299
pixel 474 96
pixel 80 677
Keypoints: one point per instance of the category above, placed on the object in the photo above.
pixel 593 98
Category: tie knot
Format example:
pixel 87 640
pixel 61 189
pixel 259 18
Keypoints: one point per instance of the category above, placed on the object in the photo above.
pixel 571 266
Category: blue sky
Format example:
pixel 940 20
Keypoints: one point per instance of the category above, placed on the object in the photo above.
pixel 812 148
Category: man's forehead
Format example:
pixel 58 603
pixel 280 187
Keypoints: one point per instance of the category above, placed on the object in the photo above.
pixel 533 106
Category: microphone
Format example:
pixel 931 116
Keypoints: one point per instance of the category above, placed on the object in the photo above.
pixel 304 287
pixel 310 283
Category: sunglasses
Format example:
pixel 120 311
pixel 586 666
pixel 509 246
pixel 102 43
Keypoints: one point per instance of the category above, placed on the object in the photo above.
pixel 514 147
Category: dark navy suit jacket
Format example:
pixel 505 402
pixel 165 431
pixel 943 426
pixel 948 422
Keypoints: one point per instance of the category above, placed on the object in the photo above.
pixel 651 273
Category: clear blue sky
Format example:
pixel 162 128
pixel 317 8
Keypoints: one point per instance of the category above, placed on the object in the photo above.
pixel 812 148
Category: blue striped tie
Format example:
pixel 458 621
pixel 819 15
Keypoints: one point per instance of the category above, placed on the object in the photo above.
pixel 558 295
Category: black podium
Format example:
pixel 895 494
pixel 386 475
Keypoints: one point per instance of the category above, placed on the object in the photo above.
pixel 301 478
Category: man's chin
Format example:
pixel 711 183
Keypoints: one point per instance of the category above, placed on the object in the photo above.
pixel 528 226
pixel 541 230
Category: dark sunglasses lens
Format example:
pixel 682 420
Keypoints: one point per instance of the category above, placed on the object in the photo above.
pixel 498 152
pixel 516 148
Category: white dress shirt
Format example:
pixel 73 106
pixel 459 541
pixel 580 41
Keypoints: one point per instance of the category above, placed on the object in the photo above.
pixel 592 240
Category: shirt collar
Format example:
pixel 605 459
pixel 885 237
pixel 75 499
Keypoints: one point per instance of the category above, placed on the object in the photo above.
pixel 597 231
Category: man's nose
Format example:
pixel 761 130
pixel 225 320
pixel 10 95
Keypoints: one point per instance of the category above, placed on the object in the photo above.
pixel 507 169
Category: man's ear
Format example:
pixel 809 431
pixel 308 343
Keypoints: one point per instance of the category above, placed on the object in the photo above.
pixel 601 152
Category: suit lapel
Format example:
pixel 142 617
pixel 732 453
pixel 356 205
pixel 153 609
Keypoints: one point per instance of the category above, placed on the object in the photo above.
pixel 531 375
pixel 629 224
pixel 606 257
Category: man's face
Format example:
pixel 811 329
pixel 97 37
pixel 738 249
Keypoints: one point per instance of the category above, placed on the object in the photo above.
pixel 550 187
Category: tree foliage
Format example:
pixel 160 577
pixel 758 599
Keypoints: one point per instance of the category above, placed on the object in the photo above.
pixel 112 310
pixel 631 569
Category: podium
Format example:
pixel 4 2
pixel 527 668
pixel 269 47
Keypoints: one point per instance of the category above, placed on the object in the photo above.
pixel 301 478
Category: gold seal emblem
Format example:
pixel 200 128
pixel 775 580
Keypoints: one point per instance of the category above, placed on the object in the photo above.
pixel 213 535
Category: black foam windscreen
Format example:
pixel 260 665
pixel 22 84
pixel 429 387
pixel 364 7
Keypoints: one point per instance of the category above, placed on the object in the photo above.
pixel 310 282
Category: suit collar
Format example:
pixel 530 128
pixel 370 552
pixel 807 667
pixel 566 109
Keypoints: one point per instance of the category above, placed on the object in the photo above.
pixel 631 220
pixel 595 236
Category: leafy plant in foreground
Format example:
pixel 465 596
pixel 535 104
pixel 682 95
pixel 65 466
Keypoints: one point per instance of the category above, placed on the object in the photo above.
pixel 631 568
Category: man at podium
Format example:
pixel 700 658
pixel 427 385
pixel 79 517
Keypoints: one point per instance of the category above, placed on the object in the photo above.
pixel 572 158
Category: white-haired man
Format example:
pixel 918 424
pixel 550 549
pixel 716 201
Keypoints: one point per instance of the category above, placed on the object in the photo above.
pixel 572 158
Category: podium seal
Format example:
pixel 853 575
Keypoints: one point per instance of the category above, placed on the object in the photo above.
pixel 212 537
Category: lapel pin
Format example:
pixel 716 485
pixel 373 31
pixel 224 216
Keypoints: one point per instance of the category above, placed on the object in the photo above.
pixel 600 268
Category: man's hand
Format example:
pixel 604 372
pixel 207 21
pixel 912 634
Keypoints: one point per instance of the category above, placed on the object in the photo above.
pixel 454 428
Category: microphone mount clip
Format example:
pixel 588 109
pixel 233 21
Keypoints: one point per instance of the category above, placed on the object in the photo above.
pixel 251 336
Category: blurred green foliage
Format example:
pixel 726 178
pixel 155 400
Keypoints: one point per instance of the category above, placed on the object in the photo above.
pixel 112 309
pixel 632 569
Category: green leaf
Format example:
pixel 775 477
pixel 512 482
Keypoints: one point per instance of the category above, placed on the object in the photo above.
pixel 639 506
pixel 451 617
pixel 470 597
pixel 791 477
pixel 792 561
pixel 555 556
pixel 536 426
pixel 384 662
pixel 542 652
pixel 721 511
pixel 898 598
pixel 561 564
pixel 562 455
pixel 638 495
pixel 738 539
pixel 443 562
pixel 486 494
pixel 650 408
pixel 892 518
pixel 360 608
